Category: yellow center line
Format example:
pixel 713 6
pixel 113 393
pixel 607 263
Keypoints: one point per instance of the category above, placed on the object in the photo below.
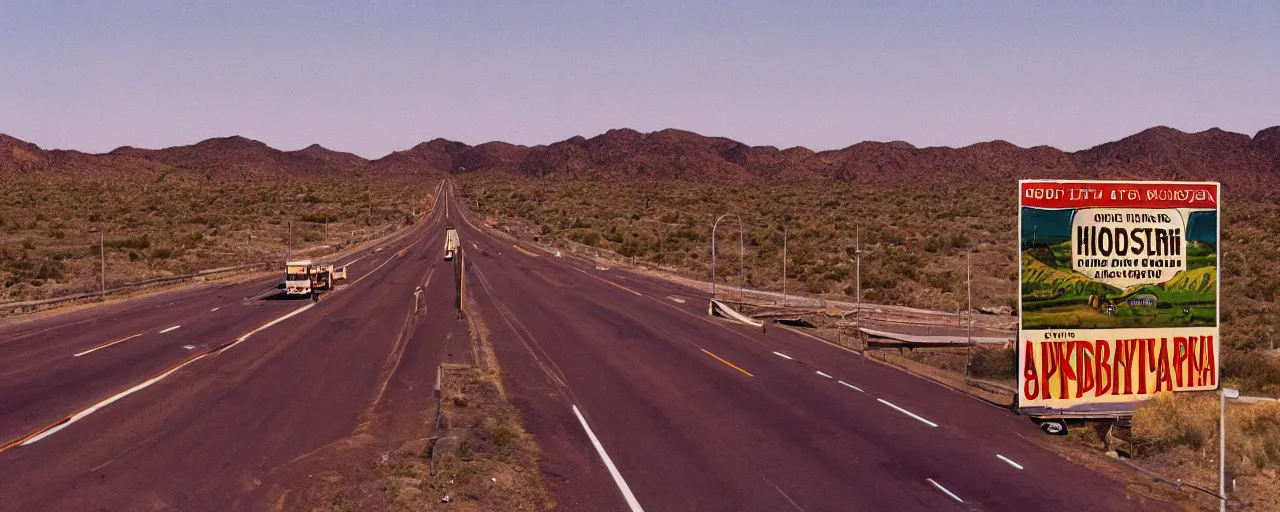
pixel 606 281
pixel 524 251
pixel 731 365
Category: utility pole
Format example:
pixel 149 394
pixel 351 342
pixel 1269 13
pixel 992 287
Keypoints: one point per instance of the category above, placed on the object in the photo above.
pixel 968 315
pixel 102 249
pixel 288 253
pixel 368 190
pixel 784 264
pixel 1223 394
pixel 857 275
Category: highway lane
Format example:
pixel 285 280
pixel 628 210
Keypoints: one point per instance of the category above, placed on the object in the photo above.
pixel 696 414
pixel 221 432
pixel 52 369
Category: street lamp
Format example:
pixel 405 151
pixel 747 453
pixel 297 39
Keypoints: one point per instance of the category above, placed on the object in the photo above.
pixel 741 251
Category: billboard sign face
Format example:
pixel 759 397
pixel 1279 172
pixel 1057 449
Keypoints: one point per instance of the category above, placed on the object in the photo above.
pixel 1119 291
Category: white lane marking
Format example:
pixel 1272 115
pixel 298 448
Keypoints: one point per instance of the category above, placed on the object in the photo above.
pixel 676 300
pixel 215 309
pixel 908 413
pixel 80 415
pixel 617 477
pixel 174 328
pixel 269 324
pixel 780 354
pixel 824 375
pixel 353 261
pixel 100 347
pixel 1010 461
pixel 188 347
pixel 851 386
pixel 944 489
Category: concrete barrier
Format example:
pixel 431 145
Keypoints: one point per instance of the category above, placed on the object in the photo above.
pixel 720 309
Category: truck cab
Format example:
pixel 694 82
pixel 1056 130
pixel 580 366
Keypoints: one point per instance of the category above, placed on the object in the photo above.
pixel 297 277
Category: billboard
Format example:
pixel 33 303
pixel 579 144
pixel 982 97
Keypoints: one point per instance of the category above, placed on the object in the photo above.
pixel 1119 292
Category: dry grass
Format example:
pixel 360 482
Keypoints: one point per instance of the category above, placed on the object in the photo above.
pixel 1177 435
pixel 49 232
pixel 483 461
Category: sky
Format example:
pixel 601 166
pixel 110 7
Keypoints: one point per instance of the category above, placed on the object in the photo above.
pixel 375 77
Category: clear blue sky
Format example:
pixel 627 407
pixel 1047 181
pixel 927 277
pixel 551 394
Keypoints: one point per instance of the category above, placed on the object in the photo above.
pixel 372 79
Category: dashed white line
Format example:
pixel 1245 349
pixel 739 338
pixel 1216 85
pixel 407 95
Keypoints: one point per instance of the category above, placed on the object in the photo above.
pixel 944 489
pixel 355 260
pixel 215 309
pixel 851 386
pixel 908 413
pixel 613 470
pixel 174 328
pixel 823 374
pixel 188 347
pixel 1010 461
pixel 780 354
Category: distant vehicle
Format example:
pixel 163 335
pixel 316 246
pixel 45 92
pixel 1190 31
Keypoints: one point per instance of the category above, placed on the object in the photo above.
pixel 451 242
pixel 297 277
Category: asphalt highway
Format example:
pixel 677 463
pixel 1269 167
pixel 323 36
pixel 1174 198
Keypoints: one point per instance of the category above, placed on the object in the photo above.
pixel 697 413
pixel 198 399
pixel 211 398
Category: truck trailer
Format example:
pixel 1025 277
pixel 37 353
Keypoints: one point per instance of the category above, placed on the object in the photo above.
pixel 451 242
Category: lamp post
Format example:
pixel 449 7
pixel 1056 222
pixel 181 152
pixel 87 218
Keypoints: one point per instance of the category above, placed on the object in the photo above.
pixel 741 250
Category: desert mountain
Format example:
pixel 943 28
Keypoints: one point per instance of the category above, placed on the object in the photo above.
pixel 241 158
pixel 1246 165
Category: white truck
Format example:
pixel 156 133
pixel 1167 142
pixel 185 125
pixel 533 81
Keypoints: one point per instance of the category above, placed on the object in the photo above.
pixel 451 242
pixel 297 277
pixel 305 277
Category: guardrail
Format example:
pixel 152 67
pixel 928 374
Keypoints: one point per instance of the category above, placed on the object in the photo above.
pixel 30 306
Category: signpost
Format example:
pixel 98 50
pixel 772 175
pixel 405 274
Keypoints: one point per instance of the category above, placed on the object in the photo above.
pixel 1119 294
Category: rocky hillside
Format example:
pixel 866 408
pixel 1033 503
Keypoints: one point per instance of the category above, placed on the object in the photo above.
pixel 1248 166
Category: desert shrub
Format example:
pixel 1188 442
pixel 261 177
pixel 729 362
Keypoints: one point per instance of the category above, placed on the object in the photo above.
pixel 1258 444
pixel 1190 422
pixel 1251 372
pixel 162 253
pixel 139 242
pixel 28 243
pixel 319 218
pixel 1170 421
pixel 994 364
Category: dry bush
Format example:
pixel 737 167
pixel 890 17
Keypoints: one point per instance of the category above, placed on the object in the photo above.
pixel 1187 423
pixel 1175 420
pixel 999 364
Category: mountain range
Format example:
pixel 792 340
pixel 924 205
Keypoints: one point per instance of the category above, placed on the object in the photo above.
pixel 1245 165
